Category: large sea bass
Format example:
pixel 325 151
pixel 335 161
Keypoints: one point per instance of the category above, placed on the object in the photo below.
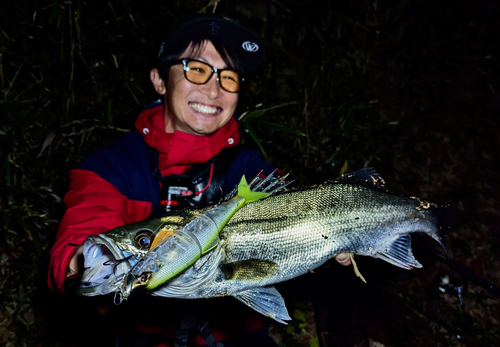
pixel 286 235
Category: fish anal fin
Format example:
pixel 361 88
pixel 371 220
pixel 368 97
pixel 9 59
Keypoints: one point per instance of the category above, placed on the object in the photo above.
pixel 399 253
pixel 267 301
pixel 356 270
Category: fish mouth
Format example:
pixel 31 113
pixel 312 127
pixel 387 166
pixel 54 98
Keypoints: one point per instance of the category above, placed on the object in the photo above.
pixel 105 266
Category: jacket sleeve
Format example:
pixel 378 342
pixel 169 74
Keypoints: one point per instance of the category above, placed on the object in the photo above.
pixel 93 206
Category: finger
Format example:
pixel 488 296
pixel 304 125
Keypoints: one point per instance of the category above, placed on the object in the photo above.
pixel 70 272
pixel 76 262
pixel 343 259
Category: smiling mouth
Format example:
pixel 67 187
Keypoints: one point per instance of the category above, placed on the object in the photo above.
pixel 210 110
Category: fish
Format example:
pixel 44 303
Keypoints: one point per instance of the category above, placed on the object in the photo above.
pixel 289 234
pixel 183 234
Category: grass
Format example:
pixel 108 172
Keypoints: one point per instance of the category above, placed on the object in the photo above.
pixel 408 87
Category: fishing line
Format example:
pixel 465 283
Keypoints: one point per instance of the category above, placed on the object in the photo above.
pixel 116 263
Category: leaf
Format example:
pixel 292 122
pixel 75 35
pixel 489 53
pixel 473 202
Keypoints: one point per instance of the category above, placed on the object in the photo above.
pixel 257 140
pixel 248 118
pixel 299 315
pixel 314 342
pixel 47 143
pixel 281 127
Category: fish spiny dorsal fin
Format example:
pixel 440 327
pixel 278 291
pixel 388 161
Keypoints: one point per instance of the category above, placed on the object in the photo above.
pixel 366 177
pixel 399 253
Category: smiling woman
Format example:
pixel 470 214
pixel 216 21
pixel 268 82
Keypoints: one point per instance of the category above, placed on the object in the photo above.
pixel 196 108
pixel 186 152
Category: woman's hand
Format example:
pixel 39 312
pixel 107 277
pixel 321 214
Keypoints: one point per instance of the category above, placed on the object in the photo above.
pixel 343 259
pixel 76 263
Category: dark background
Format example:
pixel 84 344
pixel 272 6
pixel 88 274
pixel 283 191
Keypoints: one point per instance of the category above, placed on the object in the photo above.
pixel 408 87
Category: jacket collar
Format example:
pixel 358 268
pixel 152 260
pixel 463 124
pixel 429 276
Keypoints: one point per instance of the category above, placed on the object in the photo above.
pixel 179 150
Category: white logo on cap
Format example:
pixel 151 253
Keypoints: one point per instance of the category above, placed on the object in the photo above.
pixel 250 46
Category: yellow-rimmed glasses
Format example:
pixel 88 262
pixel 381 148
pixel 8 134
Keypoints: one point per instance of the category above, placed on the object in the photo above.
pixel 198 72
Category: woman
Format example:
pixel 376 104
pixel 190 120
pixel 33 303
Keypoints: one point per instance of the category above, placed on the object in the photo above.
pixel 187 139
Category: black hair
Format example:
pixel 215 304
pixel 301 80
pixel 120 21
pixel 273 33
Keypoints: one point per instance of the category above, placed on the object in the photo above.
pixel 196 47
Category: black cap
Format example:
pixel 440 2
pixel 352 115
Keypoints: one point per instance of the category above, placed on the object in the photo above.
pixel 239 41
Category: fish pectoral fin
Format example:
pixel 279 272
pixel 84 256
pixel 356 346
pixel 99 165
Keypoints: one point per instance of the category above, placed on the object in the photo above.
pixel 214 244
pixel 356 270
pixel 399 253
pixel 267 301
pixel 249 270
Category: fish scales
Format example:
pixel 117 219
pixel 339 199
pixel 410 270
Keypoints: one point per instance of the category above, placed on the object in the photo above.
pixel 276 225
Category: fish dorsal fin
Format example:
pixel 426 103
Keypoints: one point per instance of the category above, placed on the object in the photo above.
pixel 267 301
pixel 250 269
pixel 366 177
pixel 399 253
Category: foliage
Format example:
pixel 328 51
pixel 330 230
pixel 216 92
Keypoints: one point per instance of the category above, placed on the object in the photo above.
pixel 248 120
pixel 410 87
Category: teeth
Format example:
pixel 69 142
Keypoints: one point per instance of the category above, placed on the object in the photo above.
pixel 204 108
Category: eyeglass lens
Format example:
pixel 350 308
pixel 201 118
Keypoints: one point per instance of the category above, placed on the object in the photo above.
pixel 200 73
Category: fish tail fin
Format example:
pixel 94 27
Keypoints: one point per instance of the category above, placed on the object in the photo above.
pixel 448 219
pixel 245 192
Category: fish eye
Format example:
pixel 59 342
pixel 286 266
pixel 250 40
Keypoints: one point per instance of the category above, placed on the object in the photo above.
pixel 144 279
pixel 144 239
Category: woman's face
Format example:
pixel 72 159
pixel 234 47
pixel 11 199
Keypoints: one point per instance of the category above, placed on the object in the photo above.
pixel 199 109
